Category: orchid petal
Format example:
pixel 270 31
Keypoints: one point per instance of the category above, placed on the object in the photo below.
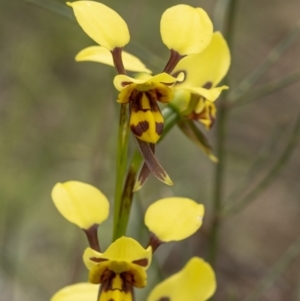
pixel 101 23
pixel 80 203
pixel 77 292
pixel 102 55
pixel 196 281
pixel 121 80
pixel 209 94
pixel 208 67
pixel 185 29
pixel 123 249
pixel 174 219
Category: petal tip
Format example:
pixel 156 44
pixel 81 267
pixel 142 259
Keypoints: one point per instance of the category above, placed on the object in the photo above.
pixel 168 181
pixel 137 186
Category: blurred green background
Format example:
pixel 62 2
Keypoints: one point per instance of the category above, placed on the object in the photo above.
pixel 58 122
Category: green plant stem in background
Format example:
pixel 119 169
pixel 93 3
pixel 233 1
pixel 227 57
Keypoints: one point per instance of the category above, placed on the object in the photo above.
pixel 54 6
pixel 220 145
pixel 121 165
pixel 276 271
pixel 260 163
pixel 268 88
pixel 235 95
pixel 271 175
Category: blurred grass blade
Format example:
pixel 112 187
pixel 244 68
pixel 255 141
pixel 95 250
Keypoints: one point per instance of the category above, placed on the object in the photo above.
pixel 260 162
pixel 153 60
pixel 269 88
pixel 220 14
pixel 270 60
pixel 194 133
pixel 271 175
pixel 54 7
pixel 276 271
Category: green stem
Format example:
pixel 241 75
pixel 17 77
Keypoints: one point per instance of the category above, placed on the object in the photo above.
pixel 122 152
pixel 220 148
pixel 276 271
pixel 270 60
pixel 270 177
pixel 124 194
pixel 127 196
pixel 267 89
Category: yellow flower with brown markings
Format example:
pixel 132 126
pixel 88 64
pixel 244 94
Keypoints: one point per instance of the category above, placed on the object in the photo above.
pixel 142 94
pixel 122 267
pixel 184 30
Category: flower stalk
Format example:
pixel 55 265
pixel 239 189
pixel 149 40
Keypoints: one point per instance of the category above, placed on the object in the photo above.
pixel 220 148
pixel 122 152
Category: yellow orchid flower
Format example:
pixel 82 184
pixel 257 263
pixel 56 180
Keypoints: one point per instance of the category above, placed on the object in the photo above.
pixel 196 281
pixel 184 30
pixel 203 58
pixel 203 72
pixel 123 265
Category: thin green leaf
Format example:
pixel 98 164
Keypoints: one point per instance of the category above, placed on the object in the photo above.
pixel 189 128
pixel 271 175
pixel 267 89
pixel 276 271
pixel 54 7
pixel 270 60
pixel 261 161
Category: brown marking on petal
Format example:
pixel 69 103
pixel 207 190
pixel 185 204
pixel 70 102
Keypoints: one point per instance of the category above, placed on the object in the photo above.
pixel 95 259
pixel 140 128
pixel 124 84
pixel 159 127
pixel 142 262
pixel 164 299
pixel 127 281
pixel 208 85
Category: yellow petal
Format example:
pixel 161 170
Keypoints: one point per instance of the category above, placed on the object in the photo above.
pixel 207 67
pixel 77 292
pixel 80 203
pixel 209 94
pixel 146 82
pixel 102 55
pixel 185 29
pixel 196 281
pixel 101 23
pixel 147 123
pixel 174 218
pixel 88 255
pixel 123 249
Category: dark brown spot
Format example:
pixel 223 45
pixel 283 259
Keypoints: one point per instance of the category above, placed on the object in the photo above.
pixel 164 299
pixel 159 126
pixel 142 262
pixel 124 84
pixel 140 128
pixel 95 259
pixel 208 85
